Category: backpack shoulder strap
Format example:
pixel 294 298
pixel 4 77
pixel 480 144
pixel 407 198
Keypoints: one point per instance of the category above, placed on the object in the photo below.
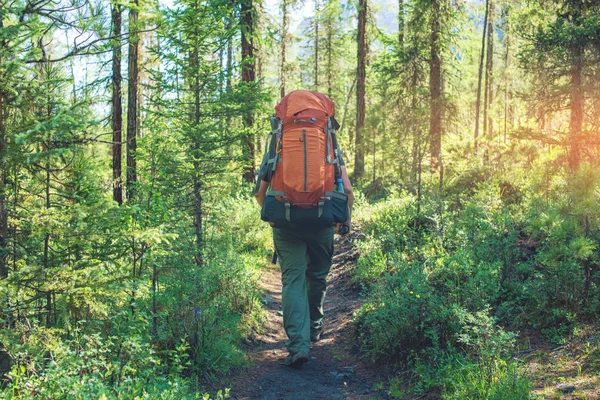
pixel 273 149
pixel 332 126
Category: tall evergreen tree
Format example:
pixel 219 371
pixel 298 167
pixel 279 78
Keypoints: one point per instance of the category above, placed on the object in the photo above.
pixel 117 104
pixel 133 71
pixel 480 75
pixel 435 87
pixel 247 21
pixel 361 72
pixel 564 49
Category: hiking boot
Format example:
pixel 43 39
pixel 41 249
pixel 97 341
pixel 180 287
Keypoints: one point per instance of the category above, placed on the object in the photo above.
pixel 316 330
pixel 295 360
pixel 315 336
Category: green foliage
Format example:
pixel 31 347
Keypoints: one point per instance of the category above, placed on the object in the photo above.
pixel 485 373
pixel 438 298
pixel 117 361
pixel 498 382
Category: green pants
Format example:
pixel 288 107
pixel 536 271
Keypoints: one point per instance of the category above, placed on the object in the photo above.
pixel 305 260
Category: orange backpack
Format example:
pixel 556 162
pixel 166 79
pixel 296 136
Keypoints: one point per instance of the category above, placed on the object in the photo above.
pixel 304 164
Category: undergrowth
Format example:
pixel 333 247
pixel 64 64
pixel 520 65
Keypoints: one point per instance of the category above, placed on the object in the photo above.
pixel 450 280
pixel 172 339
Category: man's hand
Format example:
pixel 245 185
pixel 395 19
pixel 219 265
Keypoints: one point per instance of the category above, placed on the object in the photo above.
pixel 261 193
pixel 342 229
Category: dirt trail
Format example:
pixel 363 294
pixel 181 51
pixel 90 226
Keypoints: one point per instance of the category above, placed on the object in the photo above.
pixel 333 371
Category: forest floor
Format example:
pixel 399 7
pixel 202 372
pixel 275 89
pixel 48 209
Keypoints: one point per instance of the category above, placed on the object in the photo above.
pixel 334 370
pixel 566 372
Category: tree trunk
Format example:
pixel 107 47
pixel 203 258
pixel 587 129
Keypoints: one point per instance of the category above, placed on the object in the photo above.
pixel 487 97
pixel 329 28
pixel 46 260
pixel 576 120
pixel 284 35
pixel 401 23
pixel 132 101
pixel 117 107
pixel 480 75
pixel 229 60
pixel 506 75
pixel 197 183
pixel 416 131
pixel 435 88
pixel 3 172
pixel 316 45
pixel 361 39
pixel 248 77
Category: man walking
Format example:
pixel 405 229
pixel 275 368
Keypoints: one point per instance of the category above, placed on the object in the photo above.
pixel 303 229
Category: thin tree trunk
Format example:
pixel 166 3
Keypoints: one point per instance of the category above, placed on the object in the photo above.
pixel 329 28
pixel 506 75
pixel 117 107
pixel 361 39
pixel 154 294
pixel 248 77
pixel 435 87
pixel 3 172
pixel 132 101
pixel 229 72
pixel 284 35
pixel 480 76
pixel 487 101
pixel 316 45
pixel 46 262
pixel 401 23
pixel 416 131
pixel 229 59
pixel 576 119
pixel 197 183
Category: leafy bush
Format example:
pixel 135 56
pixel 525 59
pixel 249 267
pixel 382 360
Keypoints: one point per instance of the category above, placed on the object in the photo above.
pixel 521 254
pixel 164 331
pixel 121 364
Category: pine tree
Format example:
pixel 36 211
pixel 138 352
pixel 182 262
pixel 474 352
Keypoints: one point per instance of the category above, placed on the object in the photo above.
pixel 563 50
pixel 247 21
pixel 361 40
pixel 117 105
pixel 132 98
pixel 435 88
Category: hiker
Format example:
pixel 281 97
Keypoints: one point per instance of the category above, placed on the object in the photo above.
pixel 304 191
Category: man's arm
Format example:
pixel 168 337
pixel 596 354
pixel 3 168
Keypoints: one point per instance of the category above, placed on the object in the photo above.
pixel 261 192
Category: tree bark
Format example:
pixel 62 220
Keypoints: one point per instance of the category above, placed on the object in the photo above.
pixel 416 131
pixel 46 260
pixel 329 27
pixel 401 19
pixel 361 39
pixel 3 172
pixel 248 77
pixel 284 35
pixel 489 63
pixel 117 107
pixel 506 75
pixel 435 88
pixel 480 76
pixel 317 45
pixel 132 101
